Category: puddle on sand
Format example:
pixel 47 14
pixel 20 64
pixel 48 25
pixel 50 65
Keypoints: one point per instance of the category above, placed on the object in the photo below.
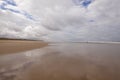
pixel 63 61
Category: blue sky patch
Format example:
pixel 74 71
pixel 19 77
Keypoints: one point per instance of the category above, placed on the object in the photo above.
pixel 10 2
pixel 84 3
pixel 5 3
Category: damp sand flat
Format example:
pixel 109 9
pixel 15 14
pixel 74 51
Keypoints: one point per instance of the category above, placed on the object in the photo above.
pixel 64 61
pixel 13 46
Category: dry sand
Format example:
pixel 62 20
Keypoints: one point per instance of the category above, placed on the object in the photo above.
pixel 13 46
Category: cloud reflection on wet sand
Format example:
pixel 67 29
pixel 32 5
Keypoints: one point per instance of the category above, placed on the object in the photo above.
pixel 67 61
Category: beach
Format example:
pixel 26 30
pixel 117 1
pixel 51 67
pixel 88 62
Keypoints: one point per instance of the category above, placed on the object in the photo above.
pixel 60 61
pixel 13 46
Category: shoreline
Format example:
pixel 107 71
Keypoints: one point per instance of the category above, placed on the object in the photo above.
pixel 9 46
pixel 66 61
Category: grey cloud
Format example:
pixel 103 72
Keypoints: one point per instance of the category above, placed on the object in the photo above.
pixel 62 20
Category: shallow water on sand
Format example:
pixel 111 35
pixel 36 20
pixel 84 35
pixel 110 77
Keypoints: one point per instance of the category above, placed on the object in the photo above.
pixel 64 61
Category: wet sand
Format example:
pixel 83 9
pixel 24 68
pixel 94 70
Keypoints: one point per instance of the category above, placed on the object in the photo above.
pixel 13 46
pixel 64 61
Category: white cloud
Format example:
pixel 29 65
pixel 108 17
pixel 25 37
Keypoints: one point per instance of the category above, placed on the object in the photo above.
pixel 62 20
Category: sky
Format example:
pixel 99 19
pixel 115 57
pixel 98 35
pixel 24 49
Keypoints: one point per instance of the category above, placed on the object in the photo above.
pixel 60 20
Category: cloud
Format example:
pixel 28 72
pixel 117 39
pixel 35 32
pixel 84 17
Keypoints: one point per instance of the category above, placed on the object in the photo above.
pixel 10 5
pixel 64 20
